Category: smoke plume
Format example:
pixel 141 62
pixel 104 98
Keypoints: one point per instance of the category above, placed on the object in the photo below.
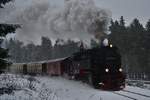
pixel 76 19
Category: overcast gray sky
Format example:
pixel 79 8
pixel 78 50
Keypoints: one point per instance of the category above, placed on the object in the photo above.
pixel 128 8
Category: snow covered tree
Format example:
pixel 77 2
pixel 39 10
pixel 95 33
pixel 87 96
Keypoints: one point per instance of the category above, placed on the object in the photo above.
pixel 15 50
pixel 3 2
pixel 4 30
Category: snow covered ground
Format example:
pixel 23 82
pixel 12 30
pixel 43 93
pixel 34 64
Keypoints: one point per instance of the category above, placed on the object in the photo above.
pixel 56 88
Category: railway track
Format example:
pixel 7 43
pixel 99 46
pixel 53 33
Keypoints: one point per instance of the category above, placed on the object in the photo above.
pixel 148 96
pixel 126 96
pixel 131 93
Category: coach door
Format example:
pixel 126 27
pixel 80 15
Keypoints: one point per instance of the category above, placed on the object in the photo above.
pixel 25 69
pixel 44 68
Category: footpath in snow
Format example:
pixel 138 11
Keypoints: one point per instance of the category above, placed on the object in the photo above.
pixel 19 87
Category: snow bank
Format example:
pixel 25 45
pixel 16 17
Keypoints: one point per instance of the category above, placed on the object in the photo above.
pixel 17 87
pixel 18 81
pixel 54 88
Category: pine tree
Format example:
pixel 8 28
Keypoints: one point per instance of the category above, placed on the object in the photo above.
pixel 4 30
pixel 46 48
pixel 146 44
pixel 112 26
pixel 122 25
pixel 136 26
pixel 148 26
pixel 15 50
pixel 122 21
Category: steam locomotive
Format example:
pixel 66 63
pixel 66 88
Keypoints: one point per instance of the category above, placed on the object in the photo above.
pixel 100 67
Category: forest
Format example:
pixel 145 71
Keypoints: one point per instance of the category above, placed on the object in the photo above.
pixel 133 42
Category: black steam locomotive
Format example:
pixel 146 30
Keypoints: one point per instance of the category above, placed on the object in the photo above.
pixel 100 67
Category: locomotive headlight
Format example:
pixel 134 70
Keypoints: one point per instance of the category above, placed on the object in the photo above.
pixel 120 69
pixel 111 45
pixel 106 70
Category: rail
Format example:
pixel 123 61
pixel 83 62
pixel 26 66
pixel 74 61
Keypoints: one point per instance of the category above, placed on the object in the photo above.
pixel 125 96
pixel 131 92
pixel 143 81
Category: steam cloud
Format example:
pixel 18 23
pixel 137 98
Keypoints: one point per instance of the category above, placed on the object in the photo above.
pixel 76 19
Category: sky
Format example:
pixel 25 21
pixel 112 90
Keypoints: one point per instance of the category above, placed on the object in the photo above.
pixel 130 9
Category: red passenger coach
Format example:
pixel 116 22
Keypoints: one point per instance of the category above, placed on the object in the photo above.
pixel 54 67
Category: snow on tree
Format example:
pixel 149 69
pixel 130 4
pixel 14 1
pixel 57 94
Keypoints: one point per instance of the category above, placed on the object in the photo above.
pixel 4 30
